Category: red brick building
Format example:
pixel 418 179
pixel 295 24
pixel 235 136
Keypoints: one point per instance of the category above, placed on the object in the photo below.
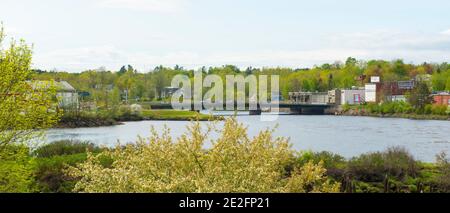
pixel 442 99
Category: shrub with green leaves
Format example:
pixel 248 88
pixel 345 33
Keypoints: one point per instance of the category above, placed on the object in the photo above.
pixel 16 169
pixel 50 175
pixel 65 147
pixel 394 162
pixel 442 181
pixel 330 160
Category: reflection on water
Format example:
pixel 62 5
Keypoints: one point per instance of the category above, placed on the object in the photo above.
pixel 348 136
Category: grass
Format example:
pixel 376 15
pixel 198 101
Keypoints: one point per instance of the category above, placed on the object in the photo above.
pixel 65 147
pixel 175 115
pixel 397 110
pixel 108 118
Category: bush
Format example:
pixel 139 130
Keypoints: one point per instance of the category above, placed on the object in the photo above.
pixel 16 169
pixel 394 162
pixel 388 108
pixel 333 163
pixel 65 147
pixel 442 181
pixel 439 110
pixel 330 160
pixel 126 114
pixel 50 174
pixel 428 109
pixel 86 119
pixel 52 160
pixel 373 108
pixel 346 107
pixel 402 107
pixel 235 163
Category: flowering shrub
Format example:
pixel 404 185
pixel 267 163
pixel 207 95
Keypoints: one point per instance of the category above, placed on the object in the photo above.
pixel 235 163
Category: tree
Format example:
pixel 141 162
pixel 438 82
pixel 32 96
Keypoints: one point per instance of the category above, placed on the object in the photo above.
pixel 235 163
pixel 122 70
pixel 16 169
pixel 351 62
pixel 420 96
pixel 159 81
pixel 26 108
pixel 126 82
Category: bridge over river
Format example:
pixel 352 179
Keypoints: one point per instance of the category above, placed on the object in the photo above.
pixel 292 107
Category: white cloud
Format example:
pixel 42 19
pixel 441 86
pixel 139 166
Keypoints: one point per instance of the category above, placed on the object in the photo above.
pixel 387 45
pixel 446 32
pixel 390 40
pixel 163 6
pixel 79 59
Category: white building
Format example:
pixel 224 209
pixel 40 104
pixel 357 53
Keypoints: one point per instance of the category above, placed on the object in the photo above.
pixel 67 95
pixel 353 96
pixel 371 93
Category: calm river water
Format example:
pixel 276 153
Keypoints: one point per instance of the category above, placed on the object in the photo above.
pixel 347 136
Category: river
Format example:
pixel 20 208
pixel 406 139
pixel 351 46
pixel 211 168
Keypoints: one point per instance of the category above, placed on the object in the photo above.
pixel 347 136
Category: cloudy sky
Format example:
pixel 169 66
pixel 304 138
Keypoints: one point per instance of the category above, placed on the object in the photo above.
pixel 75 35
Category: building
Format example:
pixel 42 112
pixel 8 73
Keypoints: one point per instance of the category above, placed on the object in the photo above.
pixel 65 93
pixel 378 91
pixel 309 97
pixel 371 92
pixel 396 90
pixel 372 89
pixel 353 96
pixel 442 98
pixel 334 96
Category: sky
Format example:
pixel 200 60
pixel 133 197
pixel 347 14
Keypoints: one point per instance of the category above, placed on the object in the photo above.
pixel 77 35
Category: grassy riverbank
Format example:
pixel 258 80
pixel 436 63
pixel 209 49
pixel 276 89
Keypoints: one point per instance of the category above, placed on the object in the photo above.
pixel 393 170
pixel 105 118
pixel 174 115
pixel 397 110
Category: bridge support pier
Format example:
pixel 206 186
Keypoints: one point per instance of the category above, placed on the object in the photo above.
pixel 295 111
pixel 255 112
pixel 307 111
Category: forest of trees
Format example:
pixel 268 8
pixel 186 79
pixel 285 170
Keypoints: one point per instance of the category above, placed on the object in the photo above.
pixel 106 87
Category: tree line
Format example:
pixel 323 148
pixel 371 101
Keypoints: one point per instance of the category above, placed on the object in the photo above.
pixel 107 87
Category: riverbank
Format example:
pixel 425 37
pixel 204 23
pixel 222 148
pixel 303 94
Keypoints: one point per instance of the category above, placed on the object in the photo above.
pixel 84 120
pixel 359 113
pixel 396 110
pixel 100 119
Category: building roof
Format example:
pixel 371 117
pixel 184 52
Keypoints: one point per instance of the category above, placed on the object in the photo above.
pixel 61 86
pixel 441 93
pixel 65 86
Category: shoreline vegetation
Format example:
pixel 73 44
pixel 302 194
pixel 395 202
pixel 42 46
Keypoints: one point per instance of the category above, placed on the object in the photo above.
pixel 83 120
pixel 396 110
pixel 75 166
pixel 394 115
pixel 92 119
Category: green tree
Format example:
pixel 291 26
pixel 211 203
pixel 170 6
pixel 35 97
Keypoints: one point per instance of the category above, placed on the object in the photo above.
pixel 126 82
pixel 26 108
pixel 420 96
pixel 16 169
pixel 350 62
